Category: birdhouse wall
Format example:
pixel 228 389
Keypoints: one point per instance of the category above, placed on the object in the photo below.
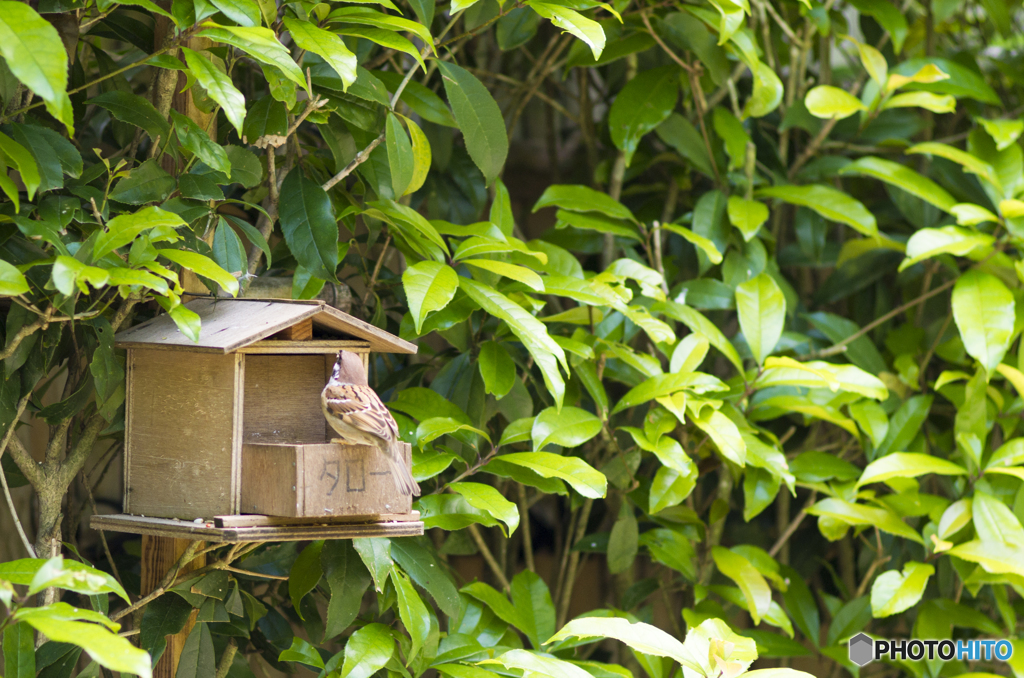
pixel 315 481
pixel 282 399
pixel 183 433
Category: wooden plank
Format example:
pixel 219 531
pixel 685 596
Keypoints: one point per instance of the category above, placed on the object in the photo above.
pixel 207 531
pixel 238 421
pixel 282 399
pixel 300 331
pixel 159 554
pixel 280 521
pixel 182 419
pixel 227 324
pixel 380 341
pixel 230 324
pixel 315 480
pixel 315 346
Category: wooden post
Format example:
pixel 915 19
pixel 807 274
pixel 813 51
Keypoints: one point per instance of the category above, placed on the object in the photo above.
pixel 159 554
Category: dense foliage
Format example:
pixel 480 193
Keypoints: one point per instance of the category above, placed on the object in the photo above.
pixel 768 298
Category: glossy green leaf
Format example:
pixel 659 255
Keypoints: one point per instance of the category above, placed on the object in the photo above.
pixel 328 46
pixel 762 313
pixel 479 119
pixel 893 592
pixel 902 177
pixel 587 30
pixel 931 242
pixel 747 215
pixel 643 104
pixel 984 313
pixel 34 53
pixel 307 221
pixel 367 651
pixel 828 202
pixel 573 470
pixel 908 465
pixel 429 286
pixel 825 101
pixel 219 86
pixel 412 611
pixel 497 368
pixel 486 498
pixel 752 584
pixel 12 281
pixel 136 110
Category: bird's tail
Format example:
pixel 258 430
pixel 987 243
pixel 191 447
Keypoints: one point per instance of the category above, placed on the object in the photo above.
pixel 400 471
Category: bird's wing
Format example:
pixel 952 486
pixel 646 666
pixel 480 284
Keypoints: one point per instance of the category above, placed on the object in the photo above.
pixel 359 406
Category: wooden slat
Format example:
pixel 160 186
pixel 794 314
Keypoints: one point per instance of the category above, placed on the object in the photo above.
pixel 279 521
pixel 181 418
pixel 227 324
pixel 159 555
pixel 230 324
pixel 282 399
pixel 300 331
pixel 207 531
pixel 316 346
pixel 380 341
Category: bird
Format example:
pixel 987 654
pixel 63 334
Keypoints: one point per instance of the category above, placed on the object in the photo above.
pixel 355 411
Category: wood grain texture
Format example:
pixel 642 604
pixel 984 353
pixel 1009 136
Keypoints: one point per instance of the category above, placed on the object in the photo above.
pixel 230 324
pixel 332 479
pixel 282 399
pixel 159 554
pixel 281 521
pixel 207 531
pixel 183 428
pixel 314 346
pixel 300 331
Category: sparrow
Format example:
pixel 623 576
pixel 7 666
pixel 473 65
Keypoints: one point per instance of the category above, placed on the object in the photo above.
pixel 356 412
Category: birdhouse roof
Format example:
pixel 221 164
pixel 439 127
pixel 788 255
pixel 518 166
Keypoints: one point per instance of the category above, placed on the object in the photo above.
pixel 231 324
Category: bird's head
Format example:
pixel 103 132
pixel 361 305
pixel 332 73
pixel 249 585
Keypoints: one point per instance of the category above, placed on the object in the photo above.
pixel 349 369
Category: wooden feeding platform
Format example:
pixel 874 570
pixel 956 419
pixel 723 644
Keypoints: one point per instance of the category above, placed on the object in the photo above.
pixel 230 429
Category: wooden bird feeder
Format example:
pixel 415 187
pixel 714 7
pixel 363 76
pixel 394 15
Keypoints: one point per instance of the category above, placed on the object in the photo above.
pixel 225 439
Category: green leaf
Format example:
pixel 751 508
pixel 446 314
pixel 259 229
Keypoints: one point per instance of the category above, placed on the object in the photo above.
pixel 307 221
pixel 858 514
pixel 489 500
pixel 497 369
pixel 570 427
pixel 34 52
pixel 643 104
pixel 19 646
pixel 984 313
pixel 258 42
pixel 527 328
pixel 730 130
pixel 512 271
pixel 577 198
pixel 421 156
pixel 427 571
pixel 195 140
pixel 536 611
pixel 752 584
pixel 375 553
pixel 894 592
pixel 994 522
pixel 969 162
pixel 370 17
pixel 747 215
pixel 413 612
pixel 204 266
pixel 400 157
pixel 106 648
pixel 347 580
pixel 533 664
pixel 935 103
pixel 367 651
pixel 762 313
pixel 637 636
pixel 829 203
pixel 328 46
pixel 902 177
pixel 825 101
pixel 429 286
pixel 706 246
pixel 1003 132
pixel 149 182
pixel 995 557
pixel 305 574
pixel 244 12
pixel 479 118
pixel 301 651
pixel 218 85
pixel 26 164
pixel 163 617
pixel 623 542
pixel 908 465
pixel 587 30
pixel 680 134
pixel 12 282
pixel 187 321
pixel 931 242
pixel 767 93
pixel 135 110
pixel 581 476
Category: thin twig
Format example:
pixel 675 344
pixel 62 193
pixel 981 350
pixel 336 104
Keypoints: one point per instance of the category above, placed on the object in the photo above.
pixel 168 581
pixel 489 557
pixel 3 477
pixel 844 344
pixel 524 525
pixel 784 537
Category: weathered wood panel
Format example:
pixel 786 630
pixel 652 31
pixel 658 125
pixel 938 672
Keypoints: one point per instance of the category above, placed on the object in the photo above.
pixel 165 527
pixel 183 425
pixel 332 479
pixel 282 399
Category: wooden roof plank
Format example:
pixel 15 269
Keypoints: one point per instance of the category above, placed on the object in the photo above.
pixel 231 324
